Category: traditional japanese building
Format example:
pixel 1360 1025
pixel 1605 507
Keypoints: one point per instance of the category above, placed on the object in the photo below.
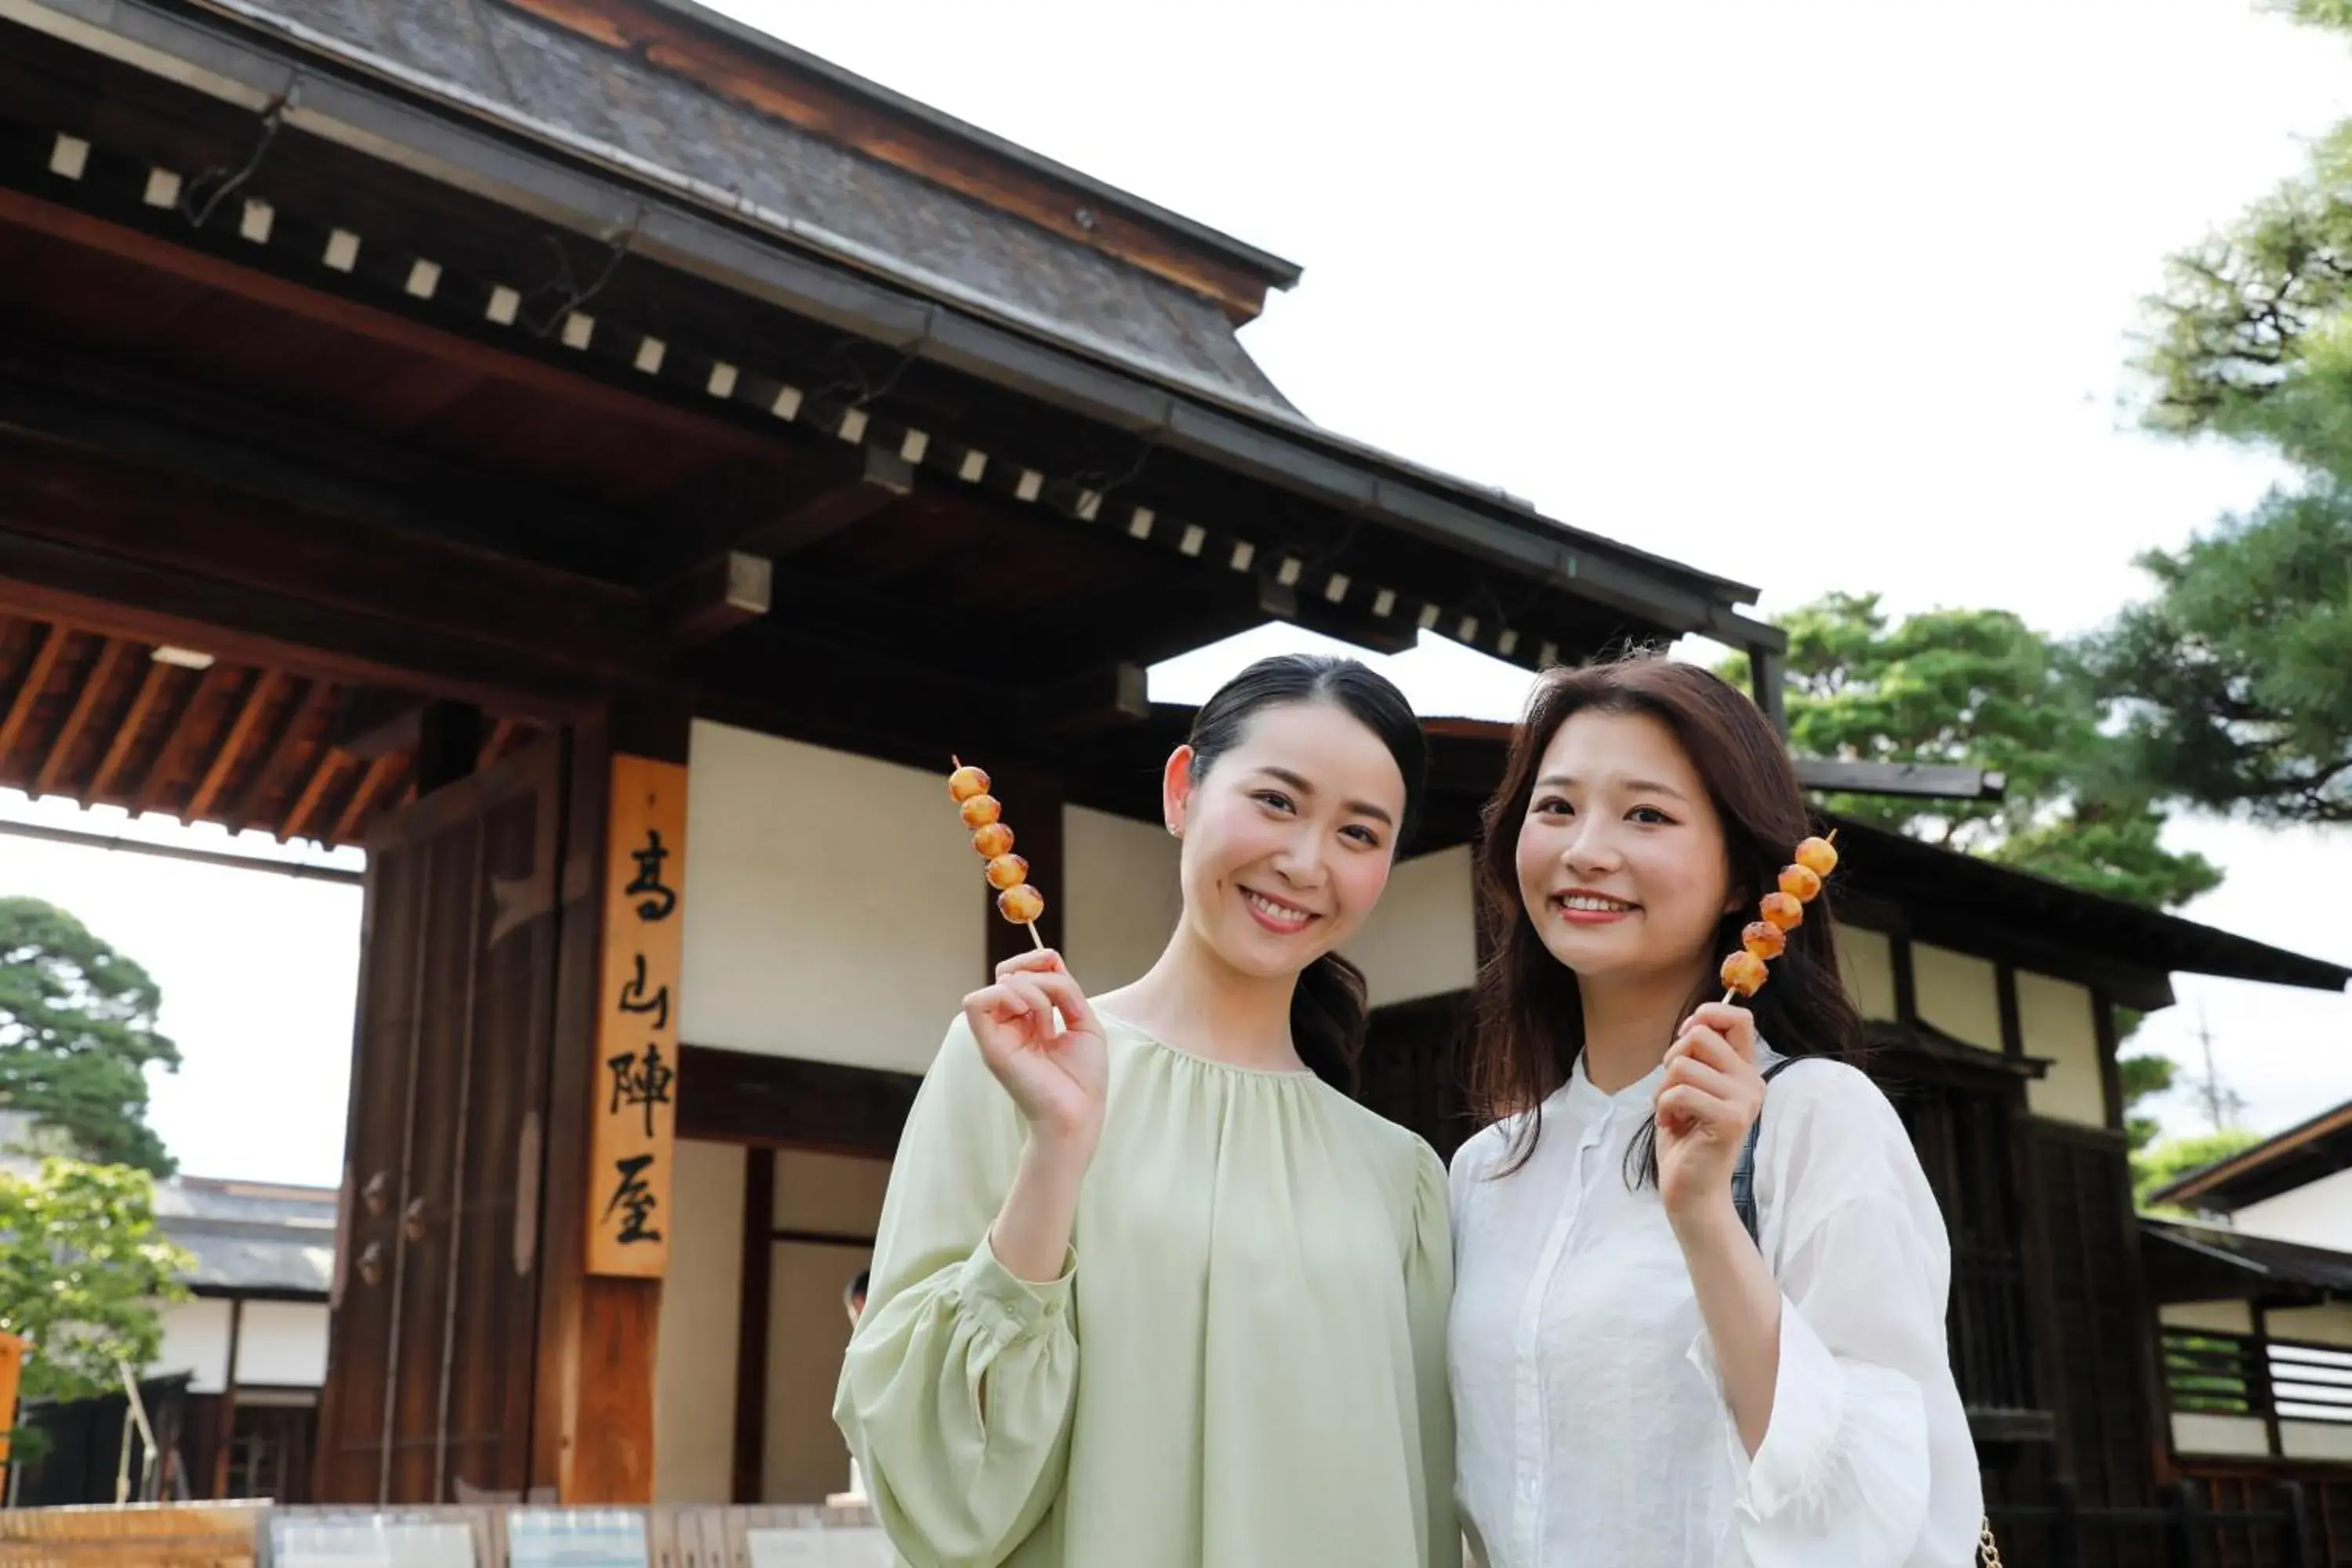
pixel 604 461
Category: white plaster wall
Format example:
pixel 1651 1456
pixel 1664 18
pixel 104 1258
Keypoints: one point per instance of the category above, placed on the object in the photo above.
pixel 694 1349
pixel 2326 1325
pixel 2318 1214
pixel 283 1343
pixel 2214 1317
pixel 2243 1435
pixel 1119 896
pixel 2059 1021
pixel 1422 938
pixel 1866 961
pixel 1957 992
pixel 806 1460
pixel 834 910
pixel 2326 1441
pixel 196 1340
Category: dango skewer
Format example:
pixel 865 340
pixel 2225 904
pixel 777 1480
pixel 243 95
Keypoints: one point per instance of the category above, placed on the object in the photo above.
pixel 992 841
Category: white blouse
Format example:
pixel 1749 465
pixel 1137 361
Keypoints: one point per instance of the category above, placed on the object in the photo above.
pixel 1593 1430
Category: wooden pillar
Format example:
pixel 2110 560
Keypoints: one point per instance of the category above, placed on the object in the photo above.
pixel 611 1125
pixel 225 1441
pixel 754 1310
pixel 1767 670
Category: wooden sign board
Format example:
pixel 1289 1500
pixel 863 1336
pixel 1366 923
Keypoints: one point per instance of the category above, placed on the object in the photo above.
pixel 12 1371
pixel 634 1108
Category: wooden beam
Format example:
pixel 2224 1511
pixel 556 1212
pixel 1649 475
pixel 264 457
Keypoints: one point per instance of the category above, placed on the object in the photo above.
pixel 1110 698
pixel 1766 683
pixel 155 603
pixel 28 694
pixel 363 794
pixel 323 773
pixel 775 509
pixel 377 326
pixel 93 686
pixel 127 728
pixel 259 451
pixel 180 732
pixel 778 1103
pixel 754 1308
pixel 372 723
pixel 714 598
pixel 1915 780
pixel 2012 1023
pixel 257 697
pixel 309 713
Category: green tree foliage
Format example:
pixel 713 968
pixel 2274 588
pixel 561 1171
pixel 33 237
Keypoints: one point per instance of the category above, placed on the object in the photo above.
pixel 2233 675
pixel 2161 1164
pixel 77 1035
pixel 1979 688
pixel 82 1268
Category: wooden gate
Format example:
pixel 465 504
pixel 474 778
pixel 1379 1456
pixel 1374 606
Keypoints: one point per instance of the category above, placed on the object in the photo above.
pixel 432 1352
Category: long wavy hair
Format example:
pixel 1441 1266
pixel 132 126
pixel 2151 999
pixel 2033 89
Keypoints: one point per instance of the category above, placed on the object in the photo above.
pixel 1530 1012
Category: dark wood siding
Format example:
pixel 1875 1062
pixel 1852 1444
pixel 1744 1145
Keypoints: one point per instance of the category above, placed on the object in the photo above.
pixel 430 1357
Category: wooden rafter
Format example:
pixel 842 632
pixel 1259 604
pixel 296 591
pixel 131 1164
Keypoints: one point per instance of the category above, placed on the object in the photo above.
pixel 323 773
pixel 20 712
pixel 355 809
pixel 93 686
pixel 277 752
pixel 127 731
pixel 232 747
pixel 182 731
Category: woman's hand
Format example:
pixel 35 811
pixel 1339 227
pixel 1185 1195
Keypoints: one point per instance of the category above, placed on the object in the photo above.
pixel 1059 1074
pixel 1711 1095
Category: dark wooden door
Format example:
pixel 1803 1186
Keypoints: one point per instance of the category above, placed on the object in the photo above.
pixel 432 1349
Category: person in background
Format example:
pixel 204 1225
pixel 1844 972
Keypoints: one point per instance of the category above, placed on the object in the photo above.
pixel 1151 1290
pixel 1639 1381
pixel 853 1297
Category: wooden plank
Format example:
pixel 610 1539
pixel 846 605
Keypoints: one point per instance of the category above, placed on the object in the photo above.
pixel 632 1134
pixel 382 326
pixel 613 1462
pixel 28 694
pixel 93 687
pixel 753 1325
pixel 127 729
pixel 257 697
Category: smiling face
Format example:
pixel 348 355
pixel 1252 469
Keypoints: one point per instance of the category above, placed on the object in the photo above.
pixel 1622 859
pixel 1288 836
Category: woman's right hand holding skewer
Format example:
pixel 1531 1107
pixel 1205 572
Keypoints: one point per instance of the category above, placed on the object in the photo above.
pixel 1058 1073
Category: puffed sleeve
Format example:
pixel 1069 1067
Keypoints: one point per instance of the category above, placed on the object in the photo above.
pixel 956 1393
pixel 1429 1294
pixel 1858 1247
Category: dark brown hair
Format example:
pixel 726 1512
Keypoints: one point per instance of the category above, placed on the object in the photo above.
pixel 1530 1013
pixel 1329 1006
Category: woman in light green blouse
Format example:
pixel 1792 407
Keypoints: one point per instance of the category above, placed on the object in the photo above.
pixel 1152 1291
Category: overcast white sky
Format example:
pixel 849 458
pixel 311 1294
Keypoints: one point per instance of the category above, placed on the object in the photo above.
pixel 1818 296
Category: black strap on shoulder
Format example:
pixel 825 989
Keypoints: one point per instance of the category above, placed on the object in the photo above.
pixel 1743 1174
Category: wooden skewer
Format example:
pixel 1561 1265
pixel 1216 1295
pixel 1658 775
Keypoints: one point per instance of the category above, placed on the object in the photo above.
pixel 1034 937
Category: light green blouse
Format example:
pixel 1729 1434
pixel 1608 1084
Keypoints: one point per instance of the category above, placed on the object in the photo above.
pixel 1244 1363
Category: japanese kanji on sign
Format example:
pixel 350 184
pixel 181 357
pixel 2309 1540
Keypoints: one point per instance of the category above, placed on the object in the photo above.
pixel 635 1106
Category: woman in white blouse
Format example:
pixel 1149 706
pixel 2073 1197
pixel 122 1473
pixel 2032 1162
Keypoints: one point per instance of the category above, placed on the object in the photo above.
pixel 1638 1382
